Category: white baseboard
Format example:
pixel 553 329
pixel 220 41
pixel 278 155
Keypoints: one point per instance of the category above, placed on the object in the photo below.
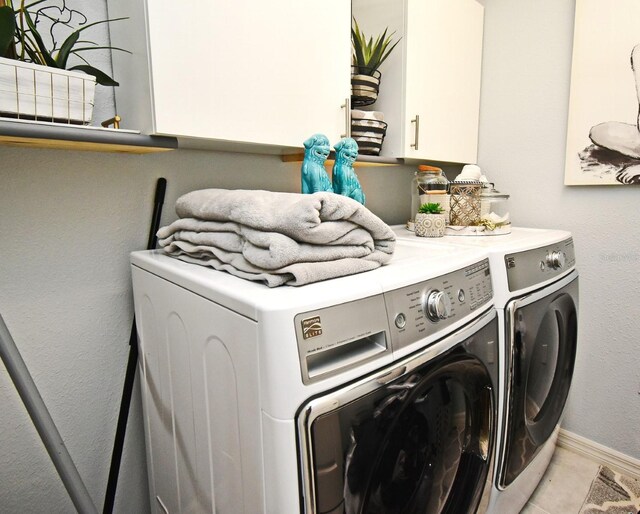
pixel 599 453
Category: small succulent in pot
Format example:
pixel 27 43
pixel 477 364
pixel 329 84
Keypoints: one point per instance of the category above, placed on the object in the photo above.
pixel 430 221
pixel 430 208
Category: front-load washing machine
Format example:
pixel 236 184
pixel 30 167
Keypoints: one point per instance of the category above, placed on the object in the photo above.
pixel 372 393
pixel 536 294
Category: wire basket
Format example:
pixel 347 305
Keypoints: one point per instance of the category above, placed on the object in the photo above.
pixel 465 202
pixel 33 92
pixel 369 134
pixel 365 86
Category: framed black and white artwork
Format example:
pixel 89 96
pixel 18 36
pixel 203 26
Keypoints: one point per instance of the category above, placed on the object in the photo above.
pixel 603 132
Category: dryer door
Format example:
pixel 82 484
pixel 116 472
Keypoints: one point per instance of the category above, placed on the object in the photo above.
pixel 415 438
pixel 541 348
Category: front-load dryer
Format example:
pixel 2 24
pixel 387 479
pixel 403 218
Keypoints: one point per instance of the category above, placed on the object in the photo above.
pixel 371 393
pixel 535 283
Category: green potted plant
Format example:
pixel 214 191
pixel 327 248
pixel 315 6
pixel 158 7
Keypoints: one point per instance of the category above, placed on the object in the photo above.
pixel 368 55
pixel 47 79
pixel 430 221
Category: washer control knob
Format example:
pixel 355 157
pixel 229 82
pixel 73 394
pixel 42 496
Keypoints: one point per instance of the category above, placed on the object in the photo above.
pixel 556 259
pixel 437 305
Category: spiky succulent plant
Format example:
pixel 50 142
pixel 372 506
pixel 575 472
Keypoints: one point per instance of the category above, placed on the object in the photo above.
pixel 368 54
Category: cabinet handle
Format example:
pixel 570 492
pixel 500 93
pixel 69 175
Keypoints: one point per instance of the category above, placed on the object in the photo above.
pixel 347 117
pixel 416 120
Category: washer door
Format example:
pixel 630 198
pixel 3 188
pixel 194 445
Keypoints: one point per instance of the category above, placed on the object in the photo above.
pixel 418 443
pixel 543 338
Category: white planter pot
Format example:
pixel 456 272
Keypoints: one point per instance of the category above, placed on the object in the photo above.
pixel 430 225
pixel 34 92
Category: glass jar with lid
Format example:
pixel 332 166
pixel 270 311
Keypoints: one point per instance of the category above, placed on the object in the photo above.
pixel 493 203
pixel 429 185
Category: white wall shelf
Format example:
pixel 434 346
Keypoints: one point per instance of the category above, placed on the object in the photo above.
pixel 36 134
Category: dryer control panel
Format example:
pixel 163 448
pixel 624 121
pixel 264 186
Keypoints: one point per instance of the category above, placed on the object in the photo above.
pixel 531 267
pixel 418 311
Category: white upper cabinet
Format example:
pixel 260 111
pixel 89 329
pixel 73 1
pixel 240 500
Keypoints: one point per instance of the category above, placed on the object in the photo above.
pixel 254 72
pixel 430 87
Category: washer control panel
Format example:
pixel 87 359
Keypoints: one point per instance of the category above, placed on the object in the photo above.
pixel 422 309
pixel 340 337
pixel 531 267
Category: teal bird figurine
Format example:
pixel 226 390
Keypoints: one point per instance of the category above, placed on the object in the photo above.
pixel 345 180
pixel 314 176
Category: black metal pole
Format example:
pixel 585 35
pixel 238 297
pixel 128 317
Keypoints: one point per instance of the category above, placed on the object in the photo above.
pixel 130 374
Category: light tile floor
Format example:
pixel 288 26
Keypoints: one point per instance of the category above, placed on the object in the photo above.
pixel 564 486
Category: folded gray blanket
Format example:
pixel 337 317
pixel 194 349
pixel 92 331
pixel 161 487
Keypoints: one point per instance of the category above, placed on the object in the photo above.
pixel 277 238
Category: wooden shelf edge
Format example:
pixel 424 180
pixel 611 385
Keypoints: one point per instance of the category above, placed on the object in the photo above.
pixel 363 161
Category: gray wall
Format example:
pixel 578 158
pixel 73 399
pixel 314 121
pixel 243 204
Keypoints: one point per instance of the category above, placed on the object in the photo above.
pixel 69 220
pixel 525 92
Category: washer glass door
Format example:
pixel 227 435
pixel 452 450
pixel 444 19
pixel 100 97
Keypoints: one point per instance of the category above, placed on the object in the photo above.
pixel 418 443
pixel 543 338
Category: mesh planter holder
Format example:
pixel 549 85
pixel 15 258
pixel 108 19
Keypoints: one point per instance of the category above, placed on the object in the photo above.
pixel 364 86
pixel 465 202
pixel 369 134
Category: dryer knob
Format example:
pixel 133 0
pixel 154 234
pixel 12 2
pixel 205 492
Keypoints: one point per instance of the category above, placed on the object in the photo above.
pixel 556 259
pixel 437 305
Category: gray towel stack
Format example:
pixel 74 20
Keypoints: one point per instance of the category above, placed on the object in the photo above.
pixel 277 238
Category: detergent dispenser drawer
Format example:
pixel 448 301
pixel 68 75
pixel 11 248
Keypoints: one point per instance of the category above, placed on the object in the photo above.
pixel 334 339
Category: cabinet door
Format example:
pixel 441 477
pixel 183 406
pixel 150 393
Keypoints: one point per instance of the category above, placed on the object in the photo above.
pixel 419 41
pixel 258 72
pixel 443 69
